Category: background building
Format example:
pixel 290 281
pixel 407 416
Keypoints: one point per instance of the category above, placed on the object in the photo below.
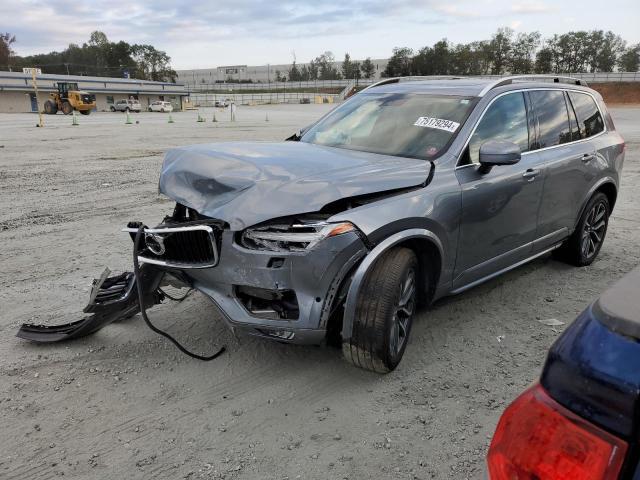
pixel 17 94
pixel 257 73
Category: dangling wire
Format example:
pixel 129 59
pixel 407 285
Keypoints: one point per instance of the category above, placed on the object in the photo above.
pixel 143 310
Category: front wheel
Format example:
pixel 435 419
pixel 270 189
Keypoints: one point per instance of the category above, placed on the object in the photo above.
pixel 584 244
pixel 67 109
pixel 384 312
pixel 50 108
pixel 85 112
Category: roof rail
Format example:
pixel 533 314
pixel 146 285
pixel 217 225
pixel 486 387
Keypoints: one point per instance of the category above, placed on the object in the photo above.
pixel 510 79
pixel 387 81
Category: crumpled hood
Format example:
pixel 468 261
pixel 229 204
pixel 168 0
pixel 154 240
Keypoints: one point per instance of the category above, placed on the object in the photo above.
pixel 244 183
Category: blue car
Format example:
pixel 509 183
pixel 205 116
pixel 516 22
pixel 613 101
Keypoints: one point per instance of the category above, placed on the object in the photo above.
pixel 582 419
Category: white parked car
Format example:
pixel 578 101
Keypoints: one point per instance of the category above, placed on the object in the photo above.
pixel 160 106
pixel 131 105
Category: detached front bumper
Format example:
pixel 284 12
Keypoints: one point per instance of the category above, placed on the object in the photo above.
pixel 303 286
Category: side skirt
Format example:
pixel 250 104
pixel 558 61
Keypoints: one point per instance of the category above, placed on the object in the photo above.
pixel 504 270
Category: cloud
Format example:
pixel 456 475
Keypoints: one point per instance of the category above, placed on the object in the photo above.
pixel 531 7
pixel 205 33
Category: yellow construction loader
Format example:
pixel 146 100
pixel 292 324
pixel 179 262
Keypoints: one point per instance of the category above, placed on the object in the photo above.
pixel 69 98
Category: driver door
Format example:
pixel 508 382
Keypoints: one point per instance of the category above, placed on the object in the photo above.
pixel 499 208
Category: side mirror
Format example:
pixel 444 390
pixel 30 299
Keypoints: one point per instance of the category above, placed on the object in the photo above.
pixel 298 135
pixel 498 152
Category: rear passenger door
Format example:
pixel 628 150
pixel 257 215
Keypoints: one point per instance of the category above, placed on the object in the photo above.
pixel 562 145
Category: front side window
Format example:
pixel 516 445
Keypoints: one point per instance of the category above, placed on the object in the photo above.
pixel 505 119
pixel 406 125
pixel 553 118
pixel 589 118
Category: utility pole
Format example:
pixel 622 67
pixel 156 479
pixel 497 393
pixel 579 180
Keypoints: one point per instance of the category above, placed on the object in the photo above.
pixel 33 72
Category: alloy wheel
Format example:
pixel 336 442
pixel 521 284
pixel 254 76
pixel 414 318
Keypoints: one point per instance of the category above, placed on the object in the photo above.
pixel 403 312
pixel 594 229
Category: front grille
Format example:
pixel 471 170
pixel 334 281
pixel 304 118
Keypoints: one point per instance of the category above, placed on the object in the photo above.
pixel 114 288
pixel 187 246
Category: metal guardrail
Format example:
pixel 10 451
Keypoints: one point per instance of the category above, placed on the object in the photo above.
pixel 311 85
pixel 316 85
pixel 209 99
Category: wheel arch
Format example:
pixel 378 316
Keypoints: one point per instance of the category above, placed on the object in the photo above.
pixel 608 186
pixel 611 191
pixel 427 247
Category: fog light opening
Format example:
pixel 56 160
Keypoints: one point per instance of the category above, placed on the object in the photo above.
pixel 269 304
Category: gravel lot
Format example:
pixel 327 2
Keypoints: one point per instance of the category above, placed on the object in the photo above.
pixel 125 404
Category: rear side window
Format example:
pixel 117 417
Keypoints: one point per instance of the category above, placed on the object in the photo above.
pixel 589 117
pixel 505 119
pixel 573 121
pixel 552 115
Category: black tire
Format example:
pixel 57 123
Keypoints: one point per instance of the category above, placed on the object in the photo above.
pixel 583 246
pixel 67 109
pixel 85 112
pixel 113 109
pixel 50 107
pixel 384 312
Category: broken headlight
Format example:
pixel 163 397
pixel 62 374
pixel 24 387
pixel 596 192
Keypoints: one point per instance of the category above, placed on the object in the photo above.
pixel 297 236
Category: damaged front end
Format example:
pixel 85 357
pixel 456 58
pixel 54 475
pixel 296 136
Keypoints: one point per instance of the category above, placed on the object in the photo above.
pixel 252 229
pixel 180 241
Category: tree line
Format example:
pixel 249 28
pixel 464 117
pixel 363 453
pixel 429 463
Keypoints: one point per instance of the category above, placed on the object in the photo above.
pixel 323 67
pixel 97 57
pixel 505 52
pixel 524 53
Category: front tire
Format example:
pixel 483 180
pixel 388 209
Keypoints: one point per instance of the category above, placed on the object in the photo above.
pixel 50 107
pixel 583 246
pixel 384 312
pixel 67 109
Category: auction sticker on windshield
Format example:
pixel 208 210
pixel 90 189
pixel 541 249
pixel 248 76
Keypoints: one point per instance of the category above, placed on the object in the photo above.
pixel 438 123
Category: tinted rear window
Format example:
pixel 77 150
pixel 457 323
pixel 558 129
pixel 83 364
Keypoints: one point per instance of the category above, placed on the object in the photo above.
pixel 573 122
pixel 589 118
pixel 553 119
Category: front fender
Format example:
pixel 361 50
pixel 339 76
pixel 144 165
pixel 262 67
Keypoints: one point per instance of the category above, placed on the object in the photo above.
pixel 366 265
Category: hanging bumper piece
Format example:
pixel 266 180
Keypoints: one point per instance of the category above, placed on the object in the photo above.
pixel 112 298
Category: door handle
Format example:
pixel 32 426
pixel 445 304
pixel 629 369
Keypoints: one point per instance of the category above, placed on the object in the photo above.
pixel 530 174
pixel 587 157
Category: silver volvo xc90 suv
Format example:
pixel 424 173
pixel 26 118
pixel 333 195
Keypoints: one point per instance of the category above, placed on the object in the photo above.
pixel 411 190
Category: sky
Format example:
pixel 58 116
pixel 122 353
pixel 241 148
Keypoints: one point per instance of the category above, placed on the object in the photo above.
pixel 203 34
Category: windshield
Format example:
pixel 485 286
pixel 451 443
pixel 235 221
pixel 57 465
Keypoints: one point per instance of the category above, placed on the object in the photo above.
pixel 405 125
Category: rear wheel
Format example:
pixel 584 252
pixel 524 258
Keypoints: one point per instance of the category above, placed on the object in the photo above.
pixel 50 107
pixel 384 312
pixel 584 244
pixel 67 109
pixel 85 112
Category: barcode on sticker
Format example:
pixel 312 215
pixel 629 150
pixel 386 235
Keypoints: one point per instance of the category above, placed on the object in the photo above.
pixel 438 123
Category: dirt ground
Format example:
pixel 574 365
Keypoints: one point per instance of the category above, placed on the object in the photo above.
pixel 619 93
pixel 125 403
